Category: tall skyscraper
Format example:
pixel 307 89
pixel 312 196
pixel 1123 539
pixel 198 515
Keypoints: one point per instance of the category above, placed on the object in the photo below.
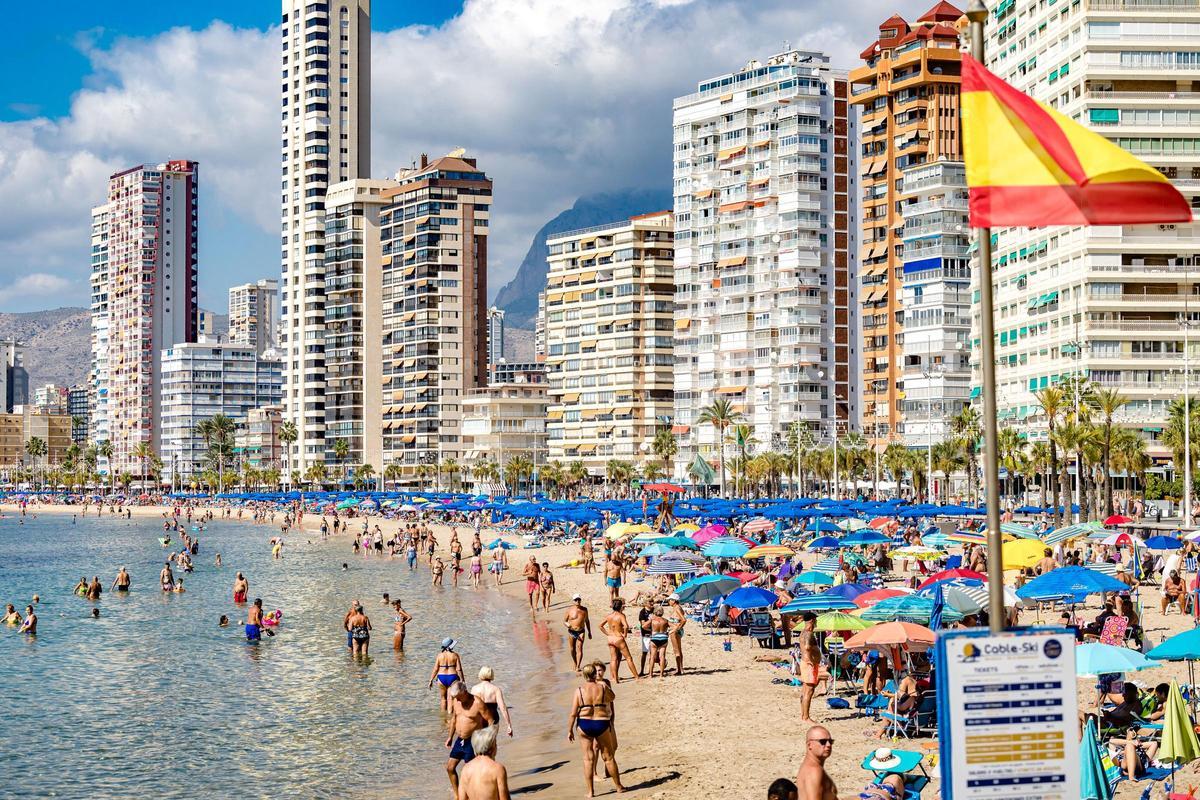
pixel 1105 302
pixel 326 127
pixel 152 249
pixel 13 374
pixel 766 252
pixel 354 320
pixel 435 234
pixel 79 408
pixel 909 94
pixel 495 335
pixel 254 314
pixel 610 301
pixel 98 429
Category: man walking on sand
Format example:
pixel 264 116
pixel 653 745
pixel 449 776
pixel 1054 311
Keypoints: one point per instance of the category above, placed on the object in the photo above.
pixel 468 714
pixel 578 624
pixel 532 581
pixel 812 780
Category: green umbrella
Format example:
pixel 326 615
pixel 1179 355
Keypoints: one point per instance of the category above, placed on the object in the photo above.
pixel 837 621
pixel 1179 743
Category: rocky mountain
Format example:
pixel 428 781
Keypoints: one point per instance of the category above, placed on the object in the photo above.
pixel 518 297
pixel 57 344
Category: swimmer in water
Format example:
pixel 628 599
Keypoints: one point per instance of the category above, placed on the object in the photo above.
pixel 447 668
pixel 218 559
pixel 400 619
pixel 241 588
pixel 29 626
pixel 95 613
pixel 122 581
pixel 11 615
pixel 254 618
pixel 223 622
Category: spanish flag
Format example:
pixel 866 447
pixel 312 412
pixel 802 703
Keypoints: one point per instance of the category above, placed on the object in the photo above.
pixel 1030 166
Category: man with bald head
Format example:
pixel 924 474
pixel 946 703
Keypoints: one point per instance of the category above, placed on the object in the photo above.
pixel 812 780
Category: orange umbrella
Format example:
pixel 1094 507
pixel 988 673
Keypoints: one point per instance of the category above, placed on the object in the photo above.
pixel 879 522
pixel 905 635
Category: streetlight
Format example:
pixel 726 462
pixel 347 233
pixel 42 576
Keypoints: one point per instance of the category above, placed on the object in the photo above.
pixel 1187 410
pixel 928 374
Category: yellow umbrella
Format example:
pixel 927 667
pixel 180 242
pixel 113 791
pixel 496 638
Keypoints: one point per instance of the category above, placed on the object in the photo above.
pixel 769 551
pixel 619 529
pixel 1022 553
pixel 838 621
pixel 1179 742
pixel 688 527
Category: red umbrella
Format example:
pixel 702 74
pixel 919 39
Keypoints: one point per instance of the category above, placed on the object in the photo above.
pixel 947 574
pixel 662 487
pixel 744 577
pixel 868 599
pixel 1117 519
pixel 880 522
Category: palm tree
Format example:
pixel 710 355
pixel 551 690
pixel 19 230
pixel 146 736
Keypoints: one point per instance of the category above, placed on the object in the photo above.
pixel 967 427
pixel 1051 400
pixel 1108 402
pixel 486 472
pixel 316 474
pixel 341 449
pixel 143 452
pixel 393 473
pixel 36 448
pixel 799 441
pixel 665 447
pixel 295 478
pixel 288 434
pixel 1069 436
pixel 1173 435
pixel 618 472
pixel 1011 452
pixel 362 475
pixel 743 438
pixel 518 466
pixel 652 471
pixel 553 477
pixel 451 468
pixel 948 458
pixel 576 473
pixel 105 450
pixel 1129 456
pixel 895 462
pixel 270 476
pixel 720 415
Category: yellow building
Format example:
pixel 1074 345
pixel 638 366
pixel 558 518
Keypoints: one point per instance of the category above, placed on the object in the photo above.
pixel 609 310
pixel 908 91
pixel 25 423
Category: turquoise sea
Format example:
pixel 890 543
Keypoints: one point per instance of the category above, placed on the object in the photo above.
pixel 154 699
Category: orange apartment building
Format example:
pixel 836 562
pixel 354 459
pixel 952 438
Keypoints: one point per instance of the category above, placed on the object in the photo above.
pixel 908 91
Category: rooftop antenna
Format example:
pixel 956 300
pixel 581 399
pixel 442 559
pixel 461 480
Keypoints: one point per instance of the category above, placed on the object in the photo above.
pixel 787 46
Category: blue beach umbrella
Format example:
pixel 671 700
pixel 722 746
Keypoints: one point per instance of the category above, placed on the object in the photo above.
pixel 501 544
pixel 939 606
pixel 822 526
pixel 1180 647
pixel 1103 659
pixel 863 537
pixel 671 566
pixel 848 590
pixel 909 608
pixel 822 542
pixel 1069 582
pixel 1163 543
pixel 725 548
pixel 812 577
pixel 818 602
pixel 706 587
pixel 677 542
pixel 751 597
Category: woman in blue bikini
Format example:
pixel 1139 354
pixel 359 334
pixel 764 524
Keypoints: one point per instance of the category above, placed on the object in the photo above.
pixel 447 669
pixel 593 711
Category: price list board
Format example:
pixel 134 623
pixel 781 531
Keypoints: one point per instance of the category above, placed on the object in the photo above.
pixel 1007 719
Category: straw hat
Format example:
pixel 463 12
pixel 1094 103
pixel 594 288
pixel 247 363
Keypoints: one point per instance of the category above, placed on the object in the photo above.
pixel 883 758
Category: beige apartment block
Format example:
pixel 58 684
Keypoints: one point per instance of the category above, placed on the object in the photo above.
pixel 609 311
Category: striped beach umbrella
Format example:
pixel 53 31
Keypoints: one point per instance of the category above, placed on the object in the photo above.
pixel 671 566
pixel 1068 532
pixel 818 602
pixel 828 565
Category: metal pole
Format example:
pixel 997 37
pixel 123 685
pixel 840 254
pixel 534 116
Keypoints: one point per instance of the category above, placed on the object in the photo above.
pixel 1187 401
pixel 1078 376
pixel 836 482
pixel 977 14
pixel 929 440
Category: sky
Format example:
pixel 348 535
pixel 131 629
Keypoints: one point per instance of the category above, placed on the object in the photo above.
pixel 556 99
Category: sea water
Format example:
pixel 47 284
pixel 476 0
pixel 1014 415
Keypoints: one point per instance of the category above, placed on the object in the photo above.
pixel 153 698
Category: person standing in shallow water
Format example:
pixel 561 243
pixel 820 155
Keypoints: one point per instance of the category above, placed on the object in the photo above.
pixel 447 668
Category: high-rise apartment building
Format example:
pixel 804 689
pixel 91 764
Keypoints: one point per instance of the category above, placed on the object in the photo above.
pixel 98 371
pixel 610 300
pixel 326 113
pixel 201 380
pixel 495 335
pixel 435 234
pixel 354 320
pixel 1108 302
pixel 13 375
pixel 254 314
pixel 50 399
pixel 936 301
pixel 256 439
pixel 517 372
pixel 152 218
pixel 79 408
pixel 908 91
pixel 502 421
pixel 766 252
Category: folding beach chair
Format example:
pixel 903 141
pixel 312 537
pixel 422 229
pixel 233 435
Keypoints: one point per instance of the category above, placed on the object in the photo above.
pixel 762 629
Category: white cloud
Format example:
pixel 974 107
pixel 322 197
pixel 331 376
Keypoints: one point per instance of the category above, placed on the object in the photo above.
pixel 32 290
pixel 557 98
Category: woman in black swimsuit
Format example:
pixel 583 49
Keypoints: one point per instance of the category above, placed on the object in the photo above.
pixel 593 711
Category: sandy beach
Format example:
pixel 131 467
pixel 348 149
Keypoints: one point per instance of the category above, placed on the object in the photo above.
pixel 723 729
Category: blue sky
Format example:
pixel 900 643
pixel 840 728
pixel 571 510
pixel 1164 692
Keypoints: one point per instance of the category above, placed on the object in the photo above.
pixel 555 98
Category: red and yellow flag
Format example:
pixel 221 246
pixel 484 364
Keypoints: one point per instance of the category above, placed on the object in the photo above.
pixel 1030 166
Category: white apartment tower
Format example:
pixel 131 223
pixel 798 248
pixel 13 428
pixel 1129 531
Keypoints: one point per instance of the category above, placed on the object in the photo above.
pixel 98 374
pixel 326 112
pixel 1106 302
pixel 766 252
pixel 151 286
pixel 254 314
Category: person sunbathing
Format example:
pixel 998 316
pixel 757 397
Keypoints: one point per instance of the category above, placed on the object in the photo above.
pixel 891 787
pixel 1133 755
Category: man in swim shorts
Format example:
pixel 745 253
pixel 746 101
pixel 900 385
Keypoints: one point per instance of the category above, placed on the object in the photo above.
pixel 121 583
pixel 578 624
pixel 612 577
pixel 468 714
pixel 532 581
pixel 254 618
pixel 241 588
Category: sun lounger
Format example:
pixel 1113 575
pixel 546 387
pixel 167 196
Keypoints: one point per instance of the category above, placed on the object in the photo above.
pixel 909 761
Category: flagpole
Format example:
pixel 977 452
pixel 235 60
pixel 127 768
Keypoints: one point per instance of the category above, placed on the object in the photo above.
pixel 977 15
